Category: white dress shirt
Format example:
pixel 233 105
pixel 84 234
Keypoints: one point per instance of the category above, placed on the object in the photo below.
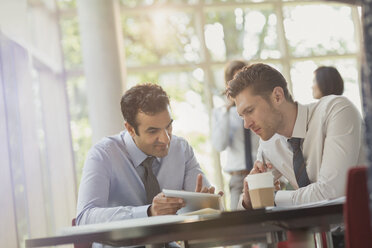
pixel 228 134
pixel 331 130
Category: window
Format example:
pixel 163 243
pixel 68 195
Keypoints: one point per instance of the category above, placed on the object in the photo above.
pixel 184 44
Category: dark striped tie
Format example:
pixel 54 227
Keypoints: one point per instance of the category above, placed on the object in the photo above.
pixel 150 181
pixel 299 165
pixel 248 149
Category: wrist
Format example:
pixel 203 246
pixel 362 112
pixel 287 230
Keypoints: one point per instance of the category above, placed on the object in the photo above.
pixel 149 213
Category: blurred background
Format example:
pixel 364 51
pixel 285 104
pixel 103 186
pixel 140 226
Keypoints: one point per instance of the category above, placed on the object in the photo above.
pixel 65 63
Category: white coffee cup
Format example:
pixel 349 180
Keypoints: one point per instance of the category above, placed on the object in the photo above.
pixel 261 189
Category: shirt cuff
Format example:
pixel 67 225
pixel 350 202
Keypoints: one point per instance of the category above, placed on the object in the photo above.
pixel 140 212
pixel 284 198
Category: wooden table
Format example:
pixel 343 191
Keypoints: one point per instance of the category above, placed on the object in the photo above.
pixel 215 230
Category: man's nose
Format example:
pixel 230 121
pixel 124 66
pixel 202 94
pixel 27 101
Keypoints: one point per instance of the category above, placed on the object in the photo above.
pixel 164 136
pixel 247 122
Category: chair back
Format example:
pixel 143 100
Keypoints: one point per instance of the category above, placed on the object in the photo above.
pixel 80 245
pixel 358 231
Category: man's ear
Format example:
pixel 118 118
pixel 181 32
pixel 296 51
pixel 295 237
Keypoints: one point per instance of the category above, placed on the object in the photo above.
pixel 130 129
pixel 278 95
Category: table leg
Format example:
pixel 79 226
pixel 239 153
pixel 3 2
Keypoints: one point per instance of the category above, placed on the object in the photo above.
pixel 300 238
pixel 185 244
pixel 323 239
pixel 329 239
pixel 318 240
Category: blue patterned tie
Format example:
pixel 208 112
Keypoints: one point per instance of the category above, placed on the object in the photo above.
pixel 150 181
pixel 299 165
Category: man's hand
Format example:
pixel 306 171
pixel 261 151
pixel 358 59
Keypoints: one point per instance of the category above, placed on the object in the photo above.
pixel 162 205
pixel 199 186
pixel 277 184
pixel 260 167
pixel 247 204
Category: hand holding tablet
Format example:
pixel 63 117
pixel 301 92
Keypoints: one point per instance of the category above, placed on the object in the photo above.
pixel 195 200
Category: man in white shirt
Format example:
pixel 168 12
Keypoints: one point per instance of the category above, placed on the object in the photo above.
pixel 329 135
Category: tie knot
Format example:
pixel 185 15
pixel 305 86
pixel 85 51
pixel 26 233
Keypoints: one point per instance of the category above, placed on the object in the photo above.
pixel 148 162
pixel 295 143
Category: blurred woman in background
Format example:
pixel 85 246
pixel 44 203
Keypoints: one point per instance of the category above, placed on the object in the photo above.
pixel 327 81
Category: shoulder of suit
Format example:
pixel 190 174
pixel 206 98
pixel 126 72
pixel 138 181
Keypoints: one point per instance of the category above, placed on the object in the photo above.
pixel 330 101
pixel 106 147
pixel 333 98
pixel 109 142
pixel 177 140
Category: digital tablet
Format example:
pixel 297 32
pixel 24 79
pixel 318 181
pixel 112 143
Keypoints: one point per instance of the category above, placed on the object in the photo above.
pixel 194 200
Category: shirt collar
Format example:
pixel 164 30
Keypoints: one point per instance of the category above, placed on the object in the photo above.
pixel 137 156
pixel 300 127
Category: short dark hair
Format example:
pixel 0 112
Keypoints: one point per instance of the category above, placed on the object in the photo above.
pixel 232 68
pixel 261 78
pixel 329 80
pixel 147 98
